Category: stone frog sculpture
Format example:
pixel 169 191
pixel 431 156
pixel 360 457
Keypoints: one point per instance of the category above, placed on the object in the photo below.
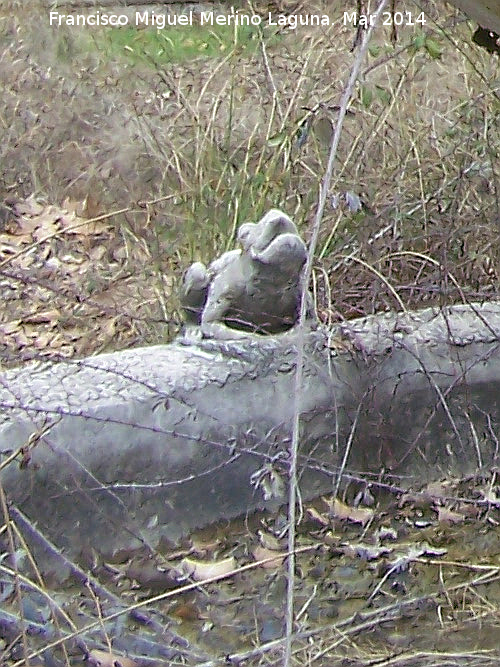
pixel 255 289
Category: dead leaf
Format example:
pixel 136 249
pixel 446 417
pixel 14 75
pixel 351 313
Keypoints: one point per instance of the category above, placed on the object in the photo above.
pixel 8 245
pixel 447 515
pixel 366 552
pixel 340 510
pixel 10 327
pixel 269 541
pixel 43 340
pixel 186 611
pixel 28 207
pixel 104 659
pixel 202 570
pixel 69 224
pixel 205 544
pixel 109 328
pixel 74 207
pixel 439 489
pixel 47 226
pixel 261 553
pixel 43 317
pixel 98 252
pixel 25 228
pixel 20 338
pixel 317 516
pixel 93 206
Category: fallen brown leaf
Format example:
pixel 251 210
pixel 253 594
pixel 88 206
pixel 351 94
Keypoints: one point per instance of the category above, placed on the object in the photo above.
pixel 103 659
pixel 10 327
pixel 43 317
pixel 261 553
pixel 340 510
pixel 269 541
pixel 186 611
pixel 200 570
pixel 447 515
pixel 317 516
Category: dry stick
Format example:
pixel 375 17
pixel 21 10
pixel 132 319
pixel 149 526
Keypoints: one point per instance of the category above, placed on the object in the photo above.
pixel 404 658
pixel 370 619
pixel 323 193
pixel 17 583
pixel 87 580
pixel 57 612
pixel 381 277
pixel 365 620
pixel 347 451
pixel 133 608
pixel 31 585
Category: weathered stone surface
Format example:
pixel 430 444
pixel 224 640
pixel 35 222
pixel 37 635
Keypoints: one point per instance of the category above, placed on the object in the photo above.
pixel 253 289
pixel 485 12
pixel 150 443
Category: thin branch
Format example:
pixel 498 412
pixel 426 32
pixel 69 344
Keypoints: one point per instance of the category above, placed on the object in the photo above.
pixel 323 193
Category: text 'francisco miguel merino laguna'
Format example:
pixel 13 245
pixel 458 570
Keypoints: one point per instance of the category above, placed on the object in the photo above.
pixel 149 18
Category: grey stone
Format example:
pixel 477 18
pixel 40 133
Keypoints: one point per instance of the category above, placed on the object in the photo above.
pixel 127 449
pixel 252 290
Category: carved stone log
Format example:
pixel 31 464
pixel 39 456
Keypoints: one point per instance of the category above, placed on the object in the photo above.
pixel 126 449
pixel 485 12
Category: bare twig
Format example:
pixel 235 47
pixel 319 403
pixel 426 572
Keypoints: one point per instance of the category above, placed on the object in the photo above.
pixel 323 193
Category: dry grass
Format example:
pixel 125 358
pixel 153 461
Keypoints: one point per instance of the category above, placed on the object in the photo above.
pixel 223 140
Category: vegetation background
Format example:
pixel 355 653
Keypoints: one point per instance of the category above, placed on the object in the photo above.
pixel 127 154
pixel 178 136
